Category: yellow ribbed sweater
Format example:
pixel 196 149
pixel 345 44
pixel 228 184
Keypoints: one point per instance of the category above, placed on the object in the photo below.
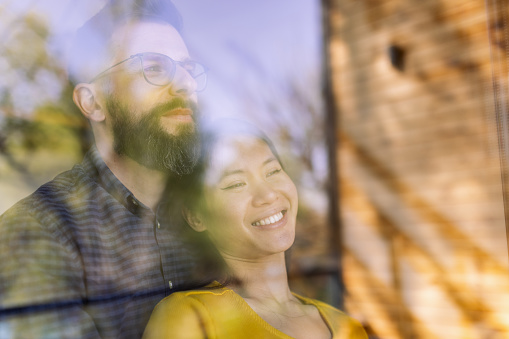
pixel 220 313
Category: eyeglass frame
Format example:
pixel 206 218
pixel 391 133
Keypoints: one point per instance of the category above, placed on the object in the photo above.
pixel 140 55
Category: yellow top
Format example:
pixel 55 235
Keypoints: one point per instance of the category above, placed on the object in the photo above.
pixel 220 313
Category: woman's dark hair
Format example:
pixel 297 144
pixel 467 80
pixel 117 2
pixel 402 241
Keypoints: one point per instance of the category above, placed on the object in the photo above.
pixel 188 191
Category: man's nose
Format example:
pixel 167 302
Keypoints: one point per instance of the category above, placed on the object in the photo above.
pixel 264 194
pixel 183 83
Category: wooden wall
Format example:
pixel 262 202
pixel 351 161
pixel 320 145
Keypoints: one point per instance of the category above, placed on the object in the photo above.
pixel 424 247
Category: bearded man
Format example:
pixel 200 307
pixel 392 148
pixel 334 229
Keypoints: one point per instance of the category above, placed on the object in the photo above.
pixel 90 253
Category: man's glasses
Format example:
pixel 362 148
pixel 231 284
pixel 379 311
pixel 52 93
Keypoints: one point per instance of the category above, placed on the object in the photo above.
pixel 159 69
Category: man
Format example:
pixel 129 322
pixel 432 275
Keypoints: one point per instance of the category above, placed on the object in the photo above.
pixel 89 254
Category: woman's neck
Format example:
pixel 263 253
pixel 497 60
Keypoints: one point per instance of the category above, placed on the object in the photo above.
pixel 260 279
pixel 263 284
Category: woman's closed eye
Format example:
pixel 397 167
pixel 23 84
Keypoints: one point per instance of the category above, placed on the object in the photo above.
pixel 233 186
pixel 273 172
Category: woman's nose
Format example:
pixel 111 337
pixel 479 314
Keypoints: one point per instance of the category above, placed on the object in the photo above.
pixel 264 194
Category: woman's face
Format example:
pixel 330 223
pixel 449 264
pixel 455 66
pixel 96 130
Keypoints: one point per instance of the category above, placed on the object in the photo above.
pixel 249 204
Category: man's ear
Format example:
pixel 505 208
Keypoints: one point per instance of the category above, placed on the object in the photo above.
pixel 85 97
pixel 193 220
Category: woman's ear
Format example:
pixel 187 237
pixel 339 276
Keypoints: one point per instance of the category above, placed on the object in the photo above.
pixel 85 97
pixel 193 220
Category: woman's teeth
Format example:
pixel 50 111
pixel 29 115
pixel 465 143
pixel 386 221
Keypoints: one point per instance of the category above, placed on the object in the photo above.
pixel 270 220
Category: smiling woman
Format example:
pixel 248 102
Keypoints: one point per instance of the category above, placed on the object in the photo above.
pixel 245 205
pixel 249 203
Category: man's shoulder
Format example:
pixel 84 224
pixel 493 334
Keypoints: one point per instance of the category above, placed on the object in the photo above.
pixel 68 182
pixel 57 194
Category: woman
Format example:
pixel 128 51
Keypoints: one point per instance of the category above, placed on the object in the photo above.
pixel 247 208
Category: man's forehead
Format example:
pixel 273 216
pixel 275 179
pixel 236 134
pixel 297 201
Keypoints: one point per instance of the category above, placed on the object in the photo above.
pixel 147 36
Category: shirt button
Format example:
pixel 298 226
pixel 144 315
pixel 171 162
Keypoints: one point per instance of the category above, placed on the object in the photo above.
pixel 132 205
pixel 170 284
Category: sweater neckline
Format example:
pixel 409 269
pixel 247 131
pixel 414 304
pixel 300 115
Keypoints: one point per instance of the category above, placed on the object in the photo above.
pixel 265 324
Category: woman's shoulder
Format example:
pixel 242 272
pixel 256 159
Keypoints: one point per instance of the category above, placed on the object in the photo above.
pixel 189 314
pixel 202 295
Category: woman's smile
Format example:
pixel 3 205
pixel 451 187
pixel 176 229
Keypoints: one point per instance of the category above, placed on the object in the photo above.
pixel 271 220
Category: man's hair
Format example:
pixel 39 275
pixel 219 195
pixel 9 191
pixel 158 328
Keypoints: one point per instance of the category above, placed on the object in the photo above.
pixel 90 50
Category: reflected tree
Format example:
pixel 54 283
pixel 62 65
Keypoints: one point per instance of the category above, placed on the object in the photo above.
pixel 36 109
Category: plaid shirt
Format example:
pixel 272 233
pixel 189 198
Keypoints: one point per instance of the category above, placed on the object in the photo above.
pixel 83 258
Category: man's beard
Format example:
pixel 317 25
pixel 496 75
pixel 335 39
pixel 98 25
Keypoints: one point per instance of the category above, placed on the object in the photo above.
pixel 145 141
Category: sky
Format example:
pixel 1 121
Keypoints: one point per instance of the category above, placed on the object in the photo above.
pixel 251 43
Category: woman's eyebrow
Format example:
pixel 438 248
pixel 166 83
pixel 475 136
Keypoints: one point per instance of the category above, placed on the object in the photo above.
pixel 271 159
pixel 240 171
pixel 228 173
